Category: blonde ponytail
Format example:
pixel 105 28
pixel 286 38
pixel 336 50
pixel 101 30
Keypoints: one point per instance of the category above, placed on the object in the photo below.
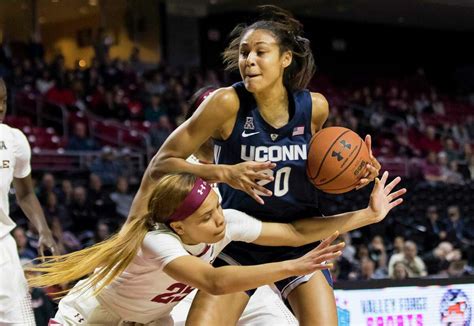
pixel 110 257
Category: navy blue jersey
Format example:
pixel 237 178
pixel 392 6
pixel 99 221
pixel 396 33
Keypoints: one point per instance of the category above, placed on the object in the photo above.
pixel 253 139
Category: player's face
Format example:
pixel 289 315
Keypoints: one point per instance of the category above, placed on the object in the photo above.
pixel 261 64
pixel 207 224
pixel 3 101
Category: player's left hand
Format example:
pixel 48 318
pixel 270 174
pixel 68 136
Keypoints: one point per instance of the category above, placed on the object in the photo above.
pixel 46 241
pixel 373 168
pixel 382 199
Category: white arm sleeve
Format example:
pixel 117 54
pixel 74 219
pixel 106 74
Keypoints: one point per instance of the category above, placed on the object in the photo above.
pixel 22 154
pixel 162 248
pixel 242 227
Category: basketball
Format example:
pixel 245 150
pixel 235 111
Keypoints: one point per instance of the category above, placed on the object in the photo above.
pixel 337 160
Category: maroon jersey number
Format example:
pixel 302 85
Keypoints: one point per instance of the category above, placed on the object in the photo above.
pixel 178 292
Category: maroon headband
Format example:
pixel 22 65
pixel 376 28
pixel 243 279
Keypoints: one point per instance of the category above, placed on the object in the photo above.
pixel 192 201
pixel 203 97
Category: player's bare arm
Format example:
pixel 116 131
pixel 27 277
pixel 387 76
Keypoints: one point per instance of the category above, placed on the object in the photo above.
pixel 304 231
pixel 228 279
pixel 30 205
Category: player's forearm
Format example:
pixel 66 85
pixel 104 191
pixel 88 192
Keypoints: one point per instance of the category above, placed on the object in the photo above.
pixel 229 279
pixel 168 164
pixel 30 205
pixel 313 229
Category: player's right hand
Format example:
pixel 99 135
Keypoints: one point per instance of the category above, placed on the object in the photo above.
pixel 316 258
pixel 245 177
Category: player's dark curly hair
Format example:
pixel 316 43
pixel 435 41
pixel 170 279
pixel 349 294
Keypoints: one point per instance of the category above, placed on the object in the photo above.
pixel 289 33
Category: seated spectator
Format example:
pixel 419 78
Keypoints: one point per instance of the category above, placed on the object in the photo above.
pixel 102 232
pixel 156 109
pixel 435 228
pixel 158 135
pixel 378 254
pixel 458 231
pixel 65 193
pixel 452 175
pixel 24 250
pixel 60 94
pixel 400 271
pixel 414 264
pixel 98 197
pixel 452 153
pixel 52 209
pixel 47 186
pixel 107 167
pixel 81 213
pixel 44 83
pixel 439 258
pixel 112 106
pixel 431 170
pixel 367 269
pixel 79 141
pixel 122 198
pixel 454 270
pixel 66 241
pixel 429 142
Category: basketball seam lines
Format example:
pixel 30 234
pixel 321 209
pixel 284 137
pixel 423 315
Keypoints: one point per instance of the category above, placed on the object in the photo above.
pixel 360 147
pixel 327 152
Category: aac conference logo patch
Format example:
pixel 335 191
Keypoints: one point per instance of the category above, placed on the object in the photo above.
pixel 455 308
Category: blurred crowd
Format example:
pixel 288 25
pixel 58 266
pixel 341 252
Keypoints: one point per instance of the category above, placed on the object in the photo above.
pixel 433 135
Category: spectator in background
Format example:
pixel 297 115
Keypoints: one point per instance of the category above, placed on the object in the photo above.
pixel 79 141
pixel 102 232
pixel 66 192
pixel 400 272
pixel 53 210
pixel 44 83
pixel 24 250
pixel 122 198
pixel 452 153
pixel 378 255
pixel 431 170
pixel 60 93
pixel 156 109
pixel 429 142
pixel 67 241
pixel 98 197
pixel 398 244
pixel 435 228
pixel 458 232
pixel 452 174
pixel 112 106
pixel 454 270
pixel 48 185
pixel 439 258
pixel 160 134
pixel 80 211
pixel 367 269
pixel 107 167
pixel 414 264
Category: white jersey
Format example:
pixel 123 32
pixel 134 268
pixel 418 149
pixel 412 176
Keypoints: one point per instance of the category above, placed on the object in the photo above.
pixel 143 292
pixel 15 155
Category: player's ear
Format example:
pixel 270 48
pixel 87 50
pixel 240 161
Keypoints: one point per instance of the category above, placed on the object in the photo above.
pixel 177 227
pixel 287 58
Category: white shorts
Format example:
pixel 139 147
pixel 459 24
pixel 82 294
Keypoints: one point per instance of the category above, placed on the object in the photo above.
pixel 15 299
pixel 83 308
pixel 264 308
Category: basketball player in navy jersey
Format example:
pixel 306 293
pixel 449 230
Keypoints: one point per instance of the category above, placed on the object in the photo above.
pixel 261 127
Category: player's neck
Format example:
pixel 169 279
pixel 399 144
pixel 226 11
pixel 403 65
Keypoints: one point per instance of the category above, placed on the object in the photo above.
pixel 273 104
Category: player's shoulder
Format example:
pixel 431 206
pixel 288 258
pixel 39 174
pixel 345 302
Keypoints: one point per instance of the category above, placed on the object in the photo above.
pixel 319 100
pixel 226 99
pixel 320 110
pixel 14 133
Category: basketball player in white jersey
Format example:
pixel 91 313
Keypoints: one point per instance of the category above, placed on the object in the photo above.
pixel 163 253
pixel 15 153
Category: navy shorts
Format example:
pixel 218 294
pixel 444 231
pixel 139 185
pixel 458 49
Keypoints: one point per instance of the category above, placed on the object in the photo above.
pixel 241 253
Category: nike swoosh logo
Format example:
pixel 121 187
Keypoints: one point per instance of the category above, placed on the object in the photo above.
pixel 248 135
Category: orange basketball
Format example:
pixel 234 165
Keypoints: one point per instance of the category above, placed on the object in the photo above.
pixel 337 160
